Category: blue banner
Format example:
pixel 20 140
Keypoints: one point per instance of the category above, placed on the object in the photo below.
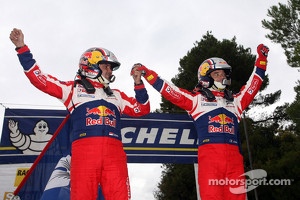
pixel 155 138
pixel 26 132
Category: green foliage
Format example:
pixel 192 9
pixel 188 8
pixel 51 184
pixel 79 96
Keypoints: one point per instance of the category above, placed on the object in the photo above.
pixel 275 147
pixel 277 155
pixel 294 110
pixel 285 29
pixel 177 183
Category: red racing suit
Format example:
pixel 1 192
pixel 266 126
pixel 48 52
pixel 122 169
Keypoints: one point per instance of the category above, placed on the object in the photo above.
pixel 97 152
pixel 216 123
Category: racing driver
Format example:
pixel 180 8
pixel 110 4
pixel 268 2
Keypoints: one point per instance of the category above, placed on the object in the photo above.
pixel 216 113
pixel 97 152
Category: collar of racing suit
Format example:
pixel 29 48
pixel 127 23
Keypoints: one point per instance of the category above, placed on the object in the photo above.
pixel 95 83
pixel 88 84
pixel 101 83
pixel 227 94
pixel 211 94
pixel 217 93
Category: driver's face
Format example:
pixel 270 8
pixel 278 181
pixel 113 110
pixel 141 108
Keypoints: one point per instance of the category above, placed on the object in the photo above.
pixel 218 75
pixel 106 70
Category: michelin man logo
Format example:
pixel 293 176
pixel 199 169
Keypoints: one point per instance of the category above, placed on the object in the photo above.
pixel 29 143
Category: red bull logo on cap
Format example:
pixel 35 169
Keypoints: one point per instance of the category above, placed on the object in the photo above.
pixel 103 112
pixel 224 121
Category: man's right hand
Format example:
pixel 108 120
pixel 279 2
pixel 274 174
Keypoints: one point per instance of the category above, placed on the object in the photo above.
pixel 149 75
pixel 136 75
pixel 17 37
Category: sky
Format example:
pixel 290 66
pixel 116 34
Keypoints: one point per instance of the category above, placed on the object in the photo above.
pixel 156 33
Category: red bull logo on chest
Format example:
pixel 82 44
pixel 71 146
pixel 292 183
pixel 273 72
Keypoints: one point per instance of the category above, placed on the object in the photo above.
pixel 224 121
pixel 105 116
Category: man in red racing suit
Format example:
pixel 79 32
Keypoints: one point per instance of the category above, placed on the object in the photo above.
pixel 216 113
pixel 97 152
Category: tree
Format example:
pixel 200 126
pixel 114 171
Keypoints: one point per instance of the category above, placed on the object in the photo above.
pixel 276 154
pixel 293 110
pixel 275 147
pixel 177 183
pixel 285 29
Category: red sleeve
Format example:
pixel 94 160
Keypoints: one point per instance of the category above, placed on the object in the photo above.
pixel 131 107
pixel 48 83
pixel 249 91
pixel 178 96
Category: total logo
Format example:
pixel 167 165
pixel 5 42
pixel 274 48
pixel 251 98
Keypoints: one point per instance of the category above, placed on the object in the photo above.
pixel 103 112
pixel 224 121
